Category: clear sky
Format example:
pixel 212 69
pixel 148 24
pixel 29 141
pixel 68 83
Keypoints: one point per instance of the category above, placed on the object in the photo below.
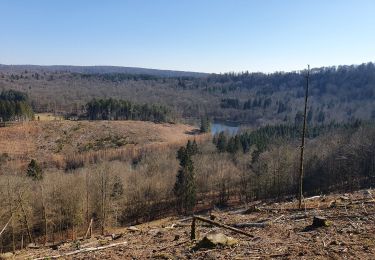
pixel 194 35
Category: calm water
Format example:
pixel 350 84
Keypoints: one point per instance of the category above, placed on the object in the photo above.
pixel 217 127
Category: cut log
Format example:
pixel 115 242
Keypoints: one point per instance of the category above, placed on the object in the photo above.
pixel 251 224
pixel 218 225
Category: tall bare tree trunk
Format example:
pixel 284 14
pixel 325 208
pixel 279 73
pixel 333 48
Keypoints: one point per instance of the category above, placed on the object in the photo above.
pixel 11 216
pixel 300 193
pixel 87 198
pixel 26 223
pixel 44 215
pixel 103 195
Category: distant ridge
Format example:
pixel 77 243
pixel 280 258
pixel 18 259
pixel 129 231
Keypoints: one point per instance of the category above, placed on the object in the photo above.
pixel 100 70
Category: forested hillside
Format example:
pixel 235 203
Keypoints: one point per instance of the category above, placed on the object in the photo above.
pixel 342 93
pixel 124 172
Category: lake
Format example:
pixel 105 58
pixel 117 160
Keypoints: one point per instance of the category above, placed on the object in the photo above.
pixel 231 128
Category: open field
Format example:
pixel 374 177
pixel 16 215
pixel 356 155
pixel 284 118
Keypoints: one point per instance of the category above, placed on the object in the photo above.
pixel 48 140
pixel 350 234
pixel 47 117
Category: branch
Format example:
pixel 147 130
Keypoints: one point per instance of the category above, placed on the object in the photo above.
pixel 84 250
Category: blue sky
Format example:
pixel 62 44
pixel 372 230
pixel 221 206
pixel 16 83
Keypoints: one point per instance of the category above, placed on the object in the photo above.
pixel 194 35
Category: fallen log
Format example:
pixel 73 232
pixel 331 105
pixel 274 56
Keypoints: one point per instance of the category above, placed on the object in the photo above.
pixel 84 250
pixel 216 224
pixel 313 198
pixel 251 224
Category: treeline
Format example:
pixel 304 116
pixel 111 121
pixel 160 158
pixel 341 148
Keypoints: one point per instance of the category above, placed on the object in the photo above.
pixel 117 77
pixel 326 80
pixel 258 140
pixel 14 106
pixel 114 109
pixel 247 105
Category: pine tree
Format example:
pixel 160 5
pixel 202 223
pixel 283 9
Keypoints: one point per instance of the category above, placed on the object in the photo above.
pixel 221 142
pixel 184 188
pixel 34 171
pixel 205 125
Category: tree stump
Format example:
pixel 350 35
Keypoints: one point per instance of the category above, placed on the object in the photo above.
pixel 320 222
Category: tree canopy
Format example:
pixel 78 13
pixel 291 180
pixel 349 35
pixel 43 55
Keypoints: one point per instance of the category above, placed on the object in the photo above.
pixel 14 106
pixel 114 109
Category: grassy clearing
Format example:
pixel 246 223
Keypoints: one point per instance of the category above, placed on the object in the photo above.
pixel 48 141
pixel 48 117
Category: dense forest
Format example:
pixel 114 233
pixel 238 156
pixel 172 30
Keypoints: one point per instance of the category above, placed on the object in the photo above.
pixel 14 106
pixel 261 138
pixel 113 109
pixel 339 94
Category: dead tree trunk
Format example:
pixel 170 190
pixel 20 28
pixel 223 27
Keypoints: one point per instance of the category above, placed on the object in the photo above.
pixel 26 223
pixel 300 193
pixel 44 215
pixel 11 217
pixel 103 197
pixel 87 198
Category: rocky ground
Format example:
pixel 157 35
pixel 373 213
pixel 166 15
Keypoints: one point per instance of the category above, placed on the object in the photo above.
pixel 278 231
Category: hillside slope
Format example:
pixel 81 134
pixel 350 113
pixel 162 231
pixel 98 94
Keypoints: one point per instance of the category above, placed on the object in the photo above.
pixel 48 141
pixel 340 94
pixel 285 235
pixel 99 69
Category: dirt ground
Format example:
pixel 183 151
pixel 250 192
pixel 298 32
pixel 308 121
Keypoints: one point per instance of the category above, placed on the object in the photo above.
pixel 350 234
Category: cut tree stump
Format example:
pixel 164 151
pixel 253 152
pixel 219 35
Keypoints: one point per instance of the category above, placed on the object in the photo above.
pixel 320 222
pixel 317 223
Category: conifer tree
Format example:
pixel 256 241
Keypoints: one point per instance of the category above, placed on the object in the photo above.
pixel 205 125
pixel 34 171
pixel 184 188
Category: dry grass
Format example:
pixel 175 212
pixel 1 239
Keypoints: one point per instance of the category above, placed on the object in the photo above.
pixel 47 117
pixel 52 141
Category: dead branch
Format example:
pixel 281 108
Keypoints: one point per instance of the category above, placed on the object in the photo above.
pixel 84 250
pixel 220 225
pixel 89 229
pixel 169 246
pixel 6 225
pixel 251 224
